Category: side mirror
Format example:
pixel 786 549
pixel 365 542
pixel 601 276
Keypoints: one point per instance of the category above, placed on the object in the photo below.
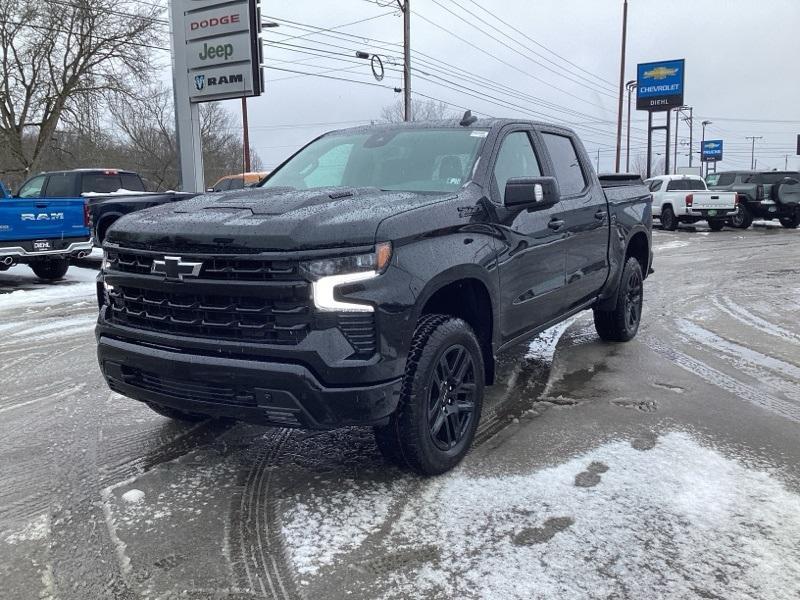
pixel 531 192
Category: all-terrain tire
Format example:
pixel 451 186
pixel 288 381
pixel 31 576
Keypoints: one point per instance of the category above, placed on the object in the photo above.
pixel 791 222
pixel 668 219
pixel 50 270
pixel 622 323
pixel 177 415
pixel 716 225
pixel 743 218
pixel 436 392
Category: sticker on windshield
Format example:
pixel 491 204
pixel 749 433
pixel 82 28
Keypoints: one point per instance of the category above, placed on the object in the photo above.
pixel 480 134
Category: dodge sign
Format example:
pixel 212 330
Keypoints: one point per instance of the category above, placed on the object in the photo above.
pixel 660 85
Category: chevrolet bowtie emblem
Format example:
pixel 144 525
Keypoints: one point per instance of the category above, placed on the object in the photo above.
pixel 173 267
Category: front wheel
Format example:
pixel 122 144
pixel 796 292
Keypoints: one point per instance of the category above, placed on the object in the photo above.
pixel 791 222
pixel 716 225
pixel 51 270
pixel 668 219
pixel 441 398
pixel 622 323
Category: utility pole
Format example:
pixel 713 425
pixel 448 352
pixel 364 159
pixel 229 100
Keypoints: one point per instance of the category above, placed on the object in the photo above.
pixel 621 82
pixel 702 144
pixel 785 162
pixel 753 138
pixel 598 160
pixel 675 150
pixel 406 8
pixel 691 141
pixel 245 136
pixel 630 86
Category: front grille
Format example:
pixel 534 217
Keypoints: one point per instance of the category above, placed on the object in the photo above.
pixel 225 317
pixel 188 390
pixel 218 268
pixel 359 329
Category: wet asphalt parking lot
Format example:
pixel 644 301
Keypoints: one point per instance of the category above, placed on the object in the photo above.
pixel 668 467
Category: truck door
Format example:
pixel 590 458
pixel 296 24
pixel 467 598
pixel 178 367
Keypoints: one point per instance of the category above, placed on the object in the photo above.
pixel 586 220
pixel 531 256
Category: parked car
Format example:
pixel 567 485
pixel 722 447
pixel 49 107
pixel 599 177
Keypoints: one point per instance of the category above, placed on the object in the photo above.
pixel 762 195
pixel 371 280
pixel 685 199
pixel 237 182
pixel 43 230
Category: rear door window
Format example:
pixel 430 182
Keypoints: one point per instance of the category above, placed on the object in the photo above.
pixel 60 185
pixel 132 182
pixel 568 171
pixel 33 188
pixel 725 179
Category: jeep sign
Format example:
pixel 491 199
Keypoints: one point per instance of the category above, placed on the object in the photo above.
pixel 220 47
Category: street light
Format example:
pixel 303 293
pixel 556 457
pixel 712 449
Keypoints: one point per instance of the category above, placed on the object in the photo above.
pixel 702 144
pixel 630 86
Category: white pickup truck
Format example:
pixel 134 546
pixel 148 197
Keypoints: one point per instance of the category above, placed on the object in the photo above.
pixel 686 199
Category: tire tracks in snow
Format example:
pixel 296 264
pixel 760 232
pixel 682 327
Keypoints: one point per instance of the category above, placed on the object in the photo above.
pixel 261 558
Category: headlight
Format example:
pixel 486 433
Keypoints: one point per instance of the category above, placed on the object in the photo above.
pixel 328 274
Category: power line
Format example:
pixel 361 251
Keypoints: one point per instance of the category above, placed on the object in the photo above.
pixel 587 81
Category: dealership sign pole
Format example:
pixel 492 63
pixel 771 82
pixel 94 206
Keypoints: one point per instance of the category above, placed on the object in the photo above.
pixel 216 55
pixel 659 89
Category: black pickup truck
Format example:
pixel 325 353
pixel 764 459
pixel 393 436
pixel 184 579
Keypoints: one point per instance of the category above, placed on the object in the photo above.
pixel 371 280
pixel 761 195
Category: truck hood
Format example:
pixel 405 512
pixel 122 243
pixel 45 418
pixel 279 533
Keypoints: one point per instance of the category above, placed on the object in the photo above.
pixel 261 219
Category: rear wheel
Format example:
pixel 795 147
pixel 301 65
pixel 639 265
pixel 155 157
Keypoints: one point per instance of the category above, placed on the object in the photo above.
pixel 791 222
pixel 668 219
pixel 742 218
pixel 441 398
pixel 622 323
pixel 50 270
pixel 177 415
pixel 716 225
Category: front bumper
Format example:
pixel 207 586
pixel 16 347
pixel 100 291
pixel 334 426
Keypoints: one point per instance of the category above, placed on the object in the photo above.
pixel 257 391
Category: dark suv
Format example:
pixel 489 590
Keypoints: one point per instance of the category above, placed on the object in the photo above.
pixel 371 280
pixel 761 195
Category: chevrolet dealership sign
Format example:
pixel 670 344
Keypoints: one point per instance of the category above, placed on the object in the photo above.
pixel 221 52
pixel 660 85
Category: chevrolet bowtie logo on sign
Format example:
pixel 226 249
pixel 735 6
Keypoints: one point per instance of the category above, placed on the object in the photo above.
pixel 173 267
pixel 660 73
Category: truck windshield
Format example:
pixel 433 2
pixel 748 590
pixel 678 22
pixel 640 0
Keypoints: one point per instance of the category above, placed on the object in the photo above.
pixel 413 160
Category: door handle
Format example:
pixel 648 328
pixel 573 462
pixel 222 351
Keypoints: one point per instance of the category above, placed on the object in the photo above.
pixel 600 215
pixel 555 224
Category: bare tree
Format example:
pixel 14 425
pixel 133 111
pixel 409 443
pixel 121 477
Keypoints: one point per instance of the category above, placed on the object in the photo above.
pixel 421 110
pixel 639 165
pixel 62 58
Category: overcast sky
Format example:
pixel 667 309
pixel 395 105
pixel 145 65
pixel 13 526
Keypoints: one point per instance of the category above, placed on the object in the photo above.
pixel 742 65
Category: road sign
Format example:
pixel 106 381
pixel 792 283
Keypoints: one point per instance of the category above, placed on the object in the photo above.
pixel 220 47
pixel 660 85
pixel 711 150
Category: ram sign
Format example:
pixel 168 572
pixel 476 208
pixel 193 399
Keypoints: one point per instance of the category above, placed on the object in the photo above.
pixel 220 47
pixel 711 150
pixel 660 85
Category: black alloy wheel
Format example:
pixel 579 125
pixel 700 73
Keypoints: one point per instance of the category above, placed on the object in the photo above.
pixel 451 403
pixel 633 300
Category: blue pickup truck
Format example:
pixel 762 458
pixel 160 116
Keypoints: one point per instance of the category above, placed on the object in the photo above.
pixel 43 227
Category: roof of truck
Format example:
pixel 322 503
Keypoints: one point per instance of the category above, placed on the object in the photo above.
pixel 484 123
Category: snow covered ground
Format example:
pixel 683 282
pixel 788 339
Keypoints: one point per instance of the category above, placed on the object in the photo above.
pixel 671 518
pixel 21 289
